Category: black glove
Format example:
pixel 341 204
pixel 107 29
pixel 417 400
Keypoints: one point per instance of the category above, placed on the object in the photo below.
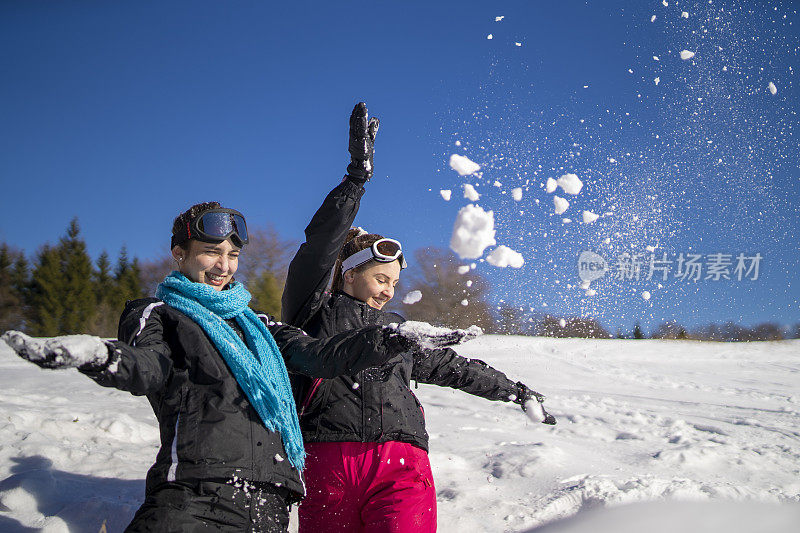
pixel 362 144
pixel 524 395
pixel 84 352
pixel 396 342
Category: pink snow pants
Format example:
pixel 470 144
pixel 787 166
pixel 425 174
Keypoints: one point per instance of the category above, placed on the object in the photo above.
pixel 360 487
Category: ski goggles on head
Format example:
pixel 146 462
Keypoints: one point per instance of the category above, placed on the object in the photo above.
pixel 215 226
pixel 382 250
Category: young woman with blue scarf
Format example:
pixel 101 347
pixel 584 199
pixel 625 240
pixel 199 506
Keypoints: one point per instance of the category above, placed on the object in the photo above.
pixel 215 374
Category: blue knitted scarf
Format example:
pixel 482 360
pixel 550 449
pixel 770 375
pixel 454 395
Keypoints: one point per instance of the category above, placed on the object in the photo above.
pixel 257 366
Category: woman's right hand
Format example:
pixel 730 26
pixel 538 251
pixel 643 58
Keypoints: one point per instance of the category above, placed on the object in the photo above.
pixel 362 143
pixel 86 352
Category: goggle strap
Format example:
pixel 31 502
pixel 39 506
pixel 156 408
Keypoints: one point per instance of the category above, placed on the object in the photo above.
pixel 357 259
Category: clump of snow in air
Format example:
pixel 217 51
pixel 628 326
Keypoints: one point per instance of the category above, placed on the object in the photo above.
pixel 566 220
pixel 503 257
pixel 412 297
pixel 562 323
pixel 469 283
pixel 686 54
pixel 498 19
pixel 551 185
pixel 490 36
pixel 650 248
pixel 657 80
pixel 518 44
pixel 446 194
pixel 646 295
pixel 465 302
pixel 653 18
pixel 463 269
pixel 772 88
pixel 463 165
pixel 516 194
pixel 684 14
pixel 585 284
pixel 590 292
pixel 473 232
pixel 570 183
pixel 497 184
pixel 470 193
pixel 458 143
pixel 664 3
pixel 612 160
pixel 589 217
pixel 561 204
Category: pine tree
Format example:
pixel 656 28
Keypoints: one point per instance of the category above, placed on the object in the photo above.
pixel 62 296
pixel 79 296
pixel 127 279
pixel 104 321
pixel 13 278
pixel 637 332
pixel 47 289
pixel 266 293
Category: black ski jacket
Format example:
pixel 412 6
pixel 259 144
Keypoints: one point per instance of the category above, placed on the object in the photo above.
pixel 377 404
pixel 209 430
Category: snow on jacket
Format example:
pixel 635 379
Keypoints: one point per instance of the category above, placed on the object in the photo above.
pixel 209 430
pixel 377 404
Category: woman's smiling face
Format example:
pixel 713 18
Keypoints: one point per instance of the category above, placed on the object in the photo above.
pixel 374 285
pixel 209 263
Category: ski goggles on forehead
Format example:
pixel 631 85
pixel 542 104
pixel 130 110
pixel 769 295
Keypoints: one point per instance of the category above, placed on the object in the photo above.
pixel 215 226
pixel 382 250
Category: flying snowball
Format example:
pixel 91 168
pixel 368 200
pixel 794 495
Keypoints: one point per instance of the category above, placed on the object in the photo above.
pixel 516 194
pixel 561 204
pixel 445 194
pixel 646 295
pixel 503 257
pixel 570 183
pixel 463 165
pixel 490 36
pixel 686 54
pixel 589 217
pixel 412 297
pixel 470 193
pixel 465 302
pixel 685 15
pixel 772 88
pixel 463 269
pixel 498 19
pixel 657 80
pixel 473 232
pixel 551 185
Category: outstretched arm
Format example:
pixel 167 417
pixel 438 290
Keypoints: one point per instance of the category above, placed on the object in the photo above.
pixel 140 363
pixel 345 353
pixel 444 367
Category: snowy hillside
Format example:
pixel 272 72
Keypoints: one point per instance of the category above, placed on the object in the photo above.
pixel 638 421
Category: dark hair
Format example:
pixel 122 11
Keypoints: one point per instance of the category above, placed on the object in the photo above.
pixel 184 218
pixel 355 241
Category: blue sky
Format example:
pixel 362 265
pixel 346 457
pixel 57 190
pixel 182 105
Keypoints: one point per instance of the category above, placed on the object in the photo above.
pixel 125 113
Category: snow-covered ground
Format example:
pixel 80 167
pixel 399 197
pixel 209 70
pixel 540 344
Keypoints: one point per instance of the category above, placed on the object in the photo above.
pixel 638 421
